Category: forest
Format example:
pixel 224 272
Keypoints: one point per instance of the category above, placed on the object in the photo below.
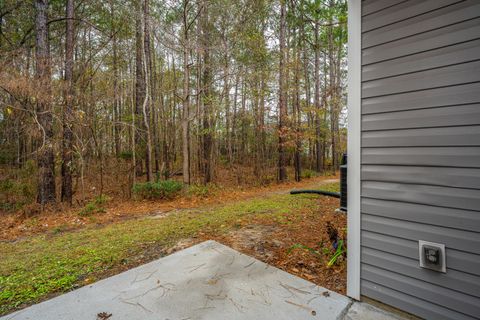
pixel 141 97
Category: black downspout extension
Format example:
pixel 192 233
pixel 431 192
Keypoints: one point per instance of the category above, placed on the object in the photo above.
pixel 322 192
pixel 343 187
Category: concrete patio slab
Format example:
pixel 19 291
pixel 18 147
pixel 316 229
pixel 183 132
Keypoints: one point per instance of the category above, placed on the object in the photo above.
pixel 206 281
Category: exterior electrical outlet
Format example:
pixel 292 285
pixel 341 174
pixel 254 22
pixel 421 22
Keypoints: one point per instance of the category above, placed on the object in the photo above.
pixel 432 256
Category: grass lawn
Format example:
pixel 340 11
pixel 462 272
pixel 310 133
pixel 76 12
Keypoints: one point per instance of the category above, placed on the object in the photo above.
pixel 41 266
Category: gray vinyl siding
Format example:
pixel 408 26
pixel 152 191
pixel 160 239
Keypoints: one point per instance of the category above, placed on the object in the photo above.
pixel 421 154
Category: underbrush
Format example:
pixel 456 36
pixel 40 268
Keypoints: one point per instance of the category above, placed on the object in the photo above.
pixel 18 188
pixel 201 191
pixel 307 174
pixel 163 189
pixel 95 206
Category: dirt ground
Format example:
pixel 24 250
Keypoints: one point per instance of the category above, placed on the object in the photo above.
pixel 30 221
pixel 302 247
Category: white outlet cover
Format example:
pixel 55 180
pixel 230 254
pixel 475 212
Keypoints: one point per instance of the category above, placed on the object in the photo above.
pixel 443 260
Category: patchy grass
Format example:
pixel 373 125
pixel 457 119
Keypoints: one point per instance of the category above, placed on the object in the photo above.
pixel 36 268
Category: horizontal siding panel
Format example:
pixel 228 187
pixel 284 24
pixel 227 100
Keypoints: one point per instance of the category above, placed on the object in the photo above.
pixel 457 260
pixel 420 155
pixel 438 38
pixel 467 157
pixel 453 218
pixel 458 281
pixel 429 292
pixel 433 20
pixel 425 137
pixel 433 117
pixel 438 176
pixel 402 11
pixel 452 238
pixel 467 199
pixel 410 303
pixel 424 80
pixel 438 97
pixel 461 53
pixel 370 6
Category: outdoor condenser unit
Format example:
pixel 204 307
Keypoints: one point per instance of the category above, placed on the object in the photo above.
pixel 343 183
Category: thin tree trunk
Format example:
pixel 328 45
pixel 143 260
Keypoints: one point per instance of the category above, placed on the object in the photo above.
pixel 186 99
pixel 139 82
pixel 233 140
pixel 297 115
pixel 207 98
pixel 46 163
pixel 318 107
pixel 147 101
pixel 226 93
pixel 67 144
pixel 116 101
pixel 282 99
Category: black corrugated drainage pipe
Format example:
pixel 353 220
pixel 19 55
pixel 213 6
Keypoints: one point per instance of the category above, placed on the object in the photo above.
pixel 343 187
pixel 325 193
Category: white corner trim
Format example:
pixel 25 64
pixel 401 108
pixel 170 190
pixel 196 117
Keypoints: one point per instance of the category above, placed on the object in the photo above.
pixel 353 147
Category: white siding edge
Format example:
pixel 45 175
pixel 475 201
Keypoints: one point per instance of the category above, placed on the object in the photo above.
pixel 353 147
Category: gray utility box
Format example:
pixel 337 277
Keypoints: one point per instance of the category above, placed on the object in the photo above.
pixel 432 256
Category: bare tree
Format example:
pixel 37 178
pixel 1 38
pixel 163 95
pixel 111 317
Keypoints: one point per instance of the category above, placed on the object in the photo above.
pixel 67 145
pixel 317 102
pixel 185 122
pixel 282 97
pixel 146 107
pixel 140 85
pixel 208 125
pixel 46 163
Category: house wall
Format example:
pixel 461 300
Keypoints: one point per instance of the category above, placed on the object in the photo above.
pixel 420 154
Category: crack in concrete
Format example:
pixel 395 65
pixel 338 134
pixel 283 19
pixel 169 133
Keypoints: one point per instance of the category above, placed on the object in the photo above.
pixel 344 312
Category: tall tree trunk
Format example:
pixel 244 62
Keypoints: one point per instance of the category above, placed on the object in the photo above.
pixel 207 98
pixel 296 113
pixel 67 144
pixel 306 76
pixel 147 101
pixel 263 133
pixel 186 99
pixel 46 163
pixel 233 132
pixel 116 100
pixel 139 83
pixel 226 94
pixel 318 107
pixel 282 99
pixel 154 111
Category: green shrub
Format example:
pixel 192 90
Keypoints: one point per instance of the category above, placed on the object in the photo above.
pixel 101 199
pixel 165 189
pixel 307 174
pixel 14 194
pixel 126 155
pixel 90 209
pixel 29 170
pixel 95 206
pixel 6 185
